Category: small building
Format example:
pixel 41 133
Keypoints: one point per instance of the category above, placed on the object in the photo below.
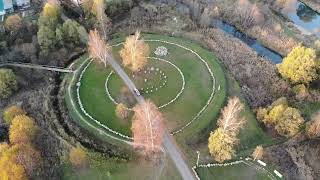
pixel 8 6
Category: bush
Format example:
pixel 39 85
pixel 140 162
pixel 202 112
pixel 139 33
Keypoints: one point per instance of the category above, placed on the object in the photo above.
pixel 8 83
pixel 313 127
pixel 11 112
pixel 78 157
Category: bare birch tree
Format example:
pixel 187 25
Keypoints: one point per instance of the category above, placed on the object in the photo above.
pixel 257 153
pixel 230 120
pixel 223 139
pixel 134 53
pixel 147 127
pixel 98 49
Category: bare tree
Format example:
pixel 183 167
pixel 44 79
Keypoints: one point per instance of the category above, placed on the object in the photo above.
pixel 134 53
pixel 147 127
pixel 230 120
pixel 103 21
pixel 257 153
pixel 98 49
pixel 313 127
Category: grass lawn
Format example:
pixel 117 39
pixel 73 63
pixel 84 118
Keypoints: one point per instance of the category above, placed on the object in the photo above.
pixel 235 172
pixel 106 168
pixel 197 91
pixel 195 95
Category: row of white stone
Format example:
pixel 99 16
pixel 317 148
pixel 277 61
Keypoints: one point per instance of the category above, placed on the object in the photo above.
pixel 87 114
pixel 173 133
pixel 162 106
pixel 246 161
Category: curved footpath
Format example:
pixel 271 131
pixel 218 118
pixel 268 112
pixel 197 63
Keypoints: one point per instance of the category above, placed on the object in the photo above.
pixel 168 142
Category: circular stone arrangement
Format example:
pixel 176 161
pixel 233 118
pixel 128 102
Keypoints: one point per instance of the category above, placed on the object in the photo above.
pixel 163 84
pixel 150 71
pixel 106 87
pixel 161 51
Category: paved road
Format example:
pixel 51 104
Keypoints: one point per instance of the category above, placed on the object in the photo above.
pixel 168 141
pixel 36 66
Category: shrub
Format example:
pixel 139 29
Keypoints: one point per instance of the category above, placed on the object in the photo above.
pixel 8 83
pixel 121 111
pixel 257 153
pixel 313 127
pixel 11 112
pixel 78 157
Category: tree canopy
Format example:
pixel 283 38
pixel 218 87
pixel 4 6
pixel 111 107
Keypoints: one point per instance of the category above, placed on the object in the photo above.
pixel 8 83
pixel 223 140
pixel 11 112
pixel 285 119
pixel 22 130
pixel 300 66
pixel 13 23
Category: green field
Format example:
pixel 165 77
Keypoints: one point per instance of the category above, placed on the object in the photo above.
pixel 195 95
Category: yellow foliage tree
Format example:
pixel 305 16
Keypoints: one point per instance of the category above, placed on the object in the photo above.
pixel 13 23
pixel 221 145
pixel 134 53
pixel 78 157
pixel 122 111
pixel 51 9
pixel 22 130
pixel 222 140
pixel 313 127
pixel 9 166
pixel 274 114
pixel 300 66
pixel 11 112
pixel 257 153
pixel 286 120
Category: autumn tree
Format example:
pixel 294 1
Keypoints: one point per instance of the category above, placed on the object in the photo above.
pixel 221 145
pixel 134 52
pixel 300 66
pixel 13 23
pixel 147 127
pixel 19 161
pixel 50 15
pixel 78 157
pixel 313 127
pixel 122 111
pixel 11 112
pixel 22 130
pixel 222 140
pixel 98 9
pixel 285 119
pixel 98 49
pixel 257 153
pixel 8 83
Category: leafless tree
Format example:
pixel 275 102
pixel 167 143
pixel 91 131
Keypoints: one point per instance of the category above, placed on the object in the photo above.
pixel 98 49
pixel 147 127
pixel 230 120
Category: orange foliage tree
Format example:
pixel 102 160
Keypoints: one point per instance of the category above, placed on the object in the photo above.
pixel 147 127
pixel 98 49
pixel 11 112
pixel 134 53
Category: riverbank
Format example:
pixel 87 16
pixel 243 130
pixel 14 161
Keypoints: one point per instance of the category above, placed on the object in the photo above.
pixel 313 4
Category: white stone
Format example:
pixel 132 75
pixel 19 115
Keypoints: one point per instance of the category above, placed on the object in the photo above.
pixel 161 51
